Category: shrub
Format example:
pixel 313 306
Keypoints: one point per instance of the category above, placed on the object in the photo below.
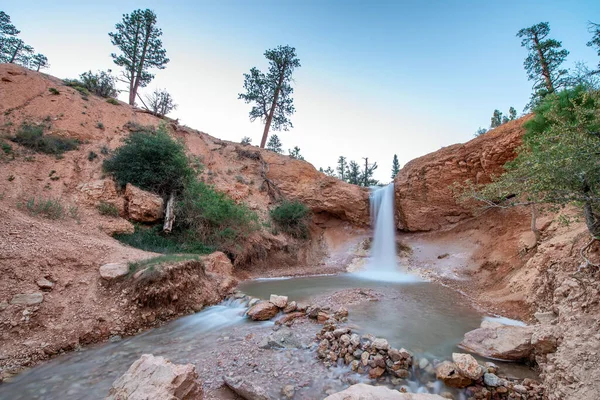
pixel 155 262
pixel 101 84
pixel 92 156
pixel 104 150
pixel 32 136
pixel 108 209
pixel 6 148
pixel 246 141
pixel 291 217
pixel 100 125
pixel 212 217
pixel 112 101
pixel 151 160
pixel 54 91
pixel 160 102
pixel 48 208
pixel 151 239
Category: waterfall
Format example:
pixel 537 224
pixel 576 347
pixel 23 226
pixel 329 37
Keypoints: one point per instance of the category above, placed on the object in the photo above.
pixel 383 264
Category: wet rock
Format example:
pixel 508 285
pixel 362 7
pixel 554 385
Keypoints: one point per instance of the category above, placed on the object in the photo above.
pixel 113 271
pixel 361 391
pixel 337 333
pixel 345 340
pixel 364 358
pixel 281 338
pixel 143 206
pixel 287 319
pixel 520 389
pixel 44 283
pixel 492 380
pixel 262 311
pixel 380 344
pixel 301 307
pixel 423 363
pixel 376 372
pixel 341 313
pixel 502 342
pixel 253 302
pixel 154 378
pixel 355 340
pixel 467 366
pixel 313 311
pixel 245 388
pixel 448 373
pixel 279 301
pixel 491 367
pixel 402 373
pixel 27 299
pixel 291 307
pixel 322 316
pixel 288 391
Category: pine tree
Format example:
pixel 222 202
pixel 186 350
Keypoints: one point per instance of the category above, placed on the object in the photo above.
pixel 329 171
pixel 543 61
pixel 272 92
pixel 395 166
pixel 7 30
pixel 275 145
pixel 496 120
pixel 342 168
pixel 366 176
pixel 295 153
pixel 594 29
pixel 512 113
pixel 353 173
pixel 39 61
pixel 480 131
pixel 138 38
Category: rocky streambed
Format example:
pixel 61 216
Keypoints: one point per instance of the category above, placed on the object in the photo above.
pixel 307 345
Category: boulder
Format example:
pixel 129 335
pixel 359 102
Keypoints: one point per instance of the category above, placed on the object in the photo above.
pixel 262 311
pixel 245 388
pixel 289 318
pixel 143 206
pixel 102 190
pixel 113 270
pixel 44 283
pixel 502 342
pixel 363 391
pixel 291 307
pixel 449 374
pixel 218 263
pixel 380 344
pixel 155 378
pixel 281 338
pixel 279 301
pixel 467 366
pixel 27 299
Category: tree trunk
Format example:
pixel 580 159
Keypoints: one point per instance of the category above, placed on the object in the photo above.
pixel 263 141
pixel 16 52
pixel 169 214
pixel 545 69
pixel 38 68
pixel 534 228
pixel 592 220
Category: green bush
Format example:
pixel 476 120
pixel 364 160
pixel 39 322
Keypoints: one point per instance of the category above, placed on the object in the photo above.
pixel 109 209
pixel 291 217
pixel 54 91
pixel 32 136
pixel 6 148
pixel 152 239
pixel 112 101
pixel 155 262
pixel 47 208
pixel 101 84
pixel 92 156
pixel 213 217
pixel 150 160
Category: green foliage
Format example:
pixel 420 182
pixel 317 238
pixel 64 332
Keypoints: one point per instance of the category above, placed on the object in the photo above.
pixel 512 113
pixel 480 131
pixel 212 217
pixel 102 84
pixel 152 239
pixel 100 125
pixel 156 262
pixel 112 101
pixel 295 153
pixel 366 176
pixel 39 61
pixel 329 171
pixel 291 217
pixel 150 160
pixel 54 91
pixel 104 150
pixel 558 161
pixel 395 166
pixel 48 208
pixel 138 39
pixel 6 148
pixel 353 173
pixel 342 167
pixel 92 156
pixel 271 93
pixel 594 29
pixel 108 209
pixel 246 141
pixel 32 136
pixel 275 145
pixel 543 61
pixel 496 120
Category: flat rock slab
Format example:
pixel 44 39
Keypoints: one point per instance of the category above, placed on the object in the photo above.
pixel 362 391
pixel 503 342
pixel 27 299
pixel 114 270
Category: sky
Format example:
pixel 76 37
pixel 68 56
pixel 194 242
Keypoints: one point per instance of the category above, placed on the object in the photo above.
pixel 378 78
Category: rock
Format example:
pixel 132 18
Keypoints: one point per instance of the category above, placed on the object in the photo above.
pixel 544 340
pixel 337 333
pixel 355 340
pixel 448 373
pixel 434 175
pixel 44 283
pixel 103 190
pixel 361 391
pixel 114 270
pixel 341 313
pixel 301 307
pixel 287 319
pixel 281 338
pixel 143 206
pixel 3 305
pixel 291 307
pixel 364 358
pixel 252 302
pixel 545 317
pixel 245 388
pixel 288 391
pixel 380 344
pixel 218 263
pixel 27 299
pixel 492 380
pixel 467 366
pixel 504 342
pixel 376 372
pixel 527 240
pixel 402 373
pixel 262 311
pixel 322 316
pixel 313 311
pixel 399 355
pixel 423 363
pixel 154 378
pixel 279 301
pixel 520 389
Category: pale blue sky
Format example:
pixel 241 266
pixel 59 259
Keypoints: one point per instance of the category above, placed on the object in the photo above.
pixel 377 77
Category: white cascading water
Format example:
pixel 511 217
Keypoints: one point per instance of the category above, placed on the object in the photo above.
pixel 383 264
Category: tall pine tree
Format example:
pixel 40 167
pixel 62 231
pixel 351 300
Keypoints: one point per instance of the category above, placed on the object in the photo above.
pixel 275 145
pixel 353 173
pixel 594 29
pixel 138 38
pixel 342 168
pixel 272 92
pixel 395 166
